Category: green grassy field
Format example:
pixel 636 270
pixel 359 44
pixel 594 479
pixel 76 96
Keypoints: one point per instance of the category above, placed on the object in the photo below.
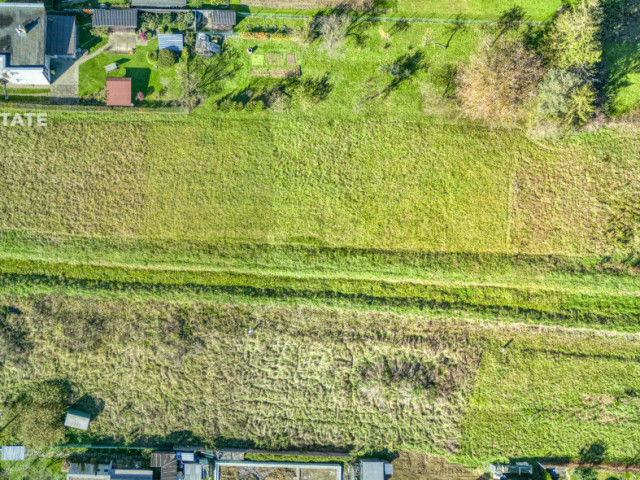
pixel 382 248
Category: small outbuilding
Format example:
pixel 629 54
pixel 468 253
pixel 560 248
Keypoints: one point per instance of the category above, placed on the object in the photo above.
pixel 77 419
pixel 13 453
pixel 62 36
pixel 371 469
pixel 118 92
pixel 158 3
pixel 116 19
pixel 219 21
pixel 171 41
pixel 167 463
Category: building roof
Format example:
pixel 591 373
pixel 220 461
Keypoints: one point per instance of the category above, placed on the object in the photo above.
pixel 83 471
pixel 171 41
pixel 13 452
pixel 61 34
pixel 116 17
pixel 77 419
pixel 166 462
pixel 24 49
pixel 131 474
pixel 371 469
pixel 192 471
pixel 118 92
pixel 159 3
pixel 208 19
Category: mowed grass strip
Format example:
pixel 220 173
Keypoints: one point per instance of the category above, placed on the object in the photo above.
pixel 587 274
pixel 559 307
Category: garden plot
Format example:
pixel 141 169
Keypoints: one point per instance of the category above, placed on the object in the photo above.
pixel 276 471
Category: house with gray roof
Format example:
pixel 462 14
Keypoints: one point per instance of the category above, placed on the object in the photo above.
pixel 171 41
pixel 62 36
pixel 12 453
pixel 22 44
pixel 29 39
pixel 217 21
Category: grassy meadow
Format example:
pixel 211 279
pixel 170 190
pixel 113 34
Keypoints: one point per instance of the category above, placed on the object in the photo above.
pixel 272 377
pixel 380 249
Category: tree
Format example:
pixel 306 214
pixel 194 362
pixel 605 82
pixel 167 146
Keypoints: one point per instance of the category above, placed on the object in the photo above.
pixel 333 29
pixel 555 90
pixel 581 105
pixel 34 418
pixel 498 81
pixel 149 22
pixel 574 39
pixel 166 58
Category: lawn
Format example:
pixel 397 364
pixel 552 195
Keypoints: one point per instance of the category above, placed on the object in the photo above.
pixel 157 84
pixel 537 10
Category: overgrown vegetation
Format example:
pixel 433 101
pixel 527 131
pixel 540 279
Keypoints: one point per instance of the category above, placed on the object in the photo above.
pixel 311 378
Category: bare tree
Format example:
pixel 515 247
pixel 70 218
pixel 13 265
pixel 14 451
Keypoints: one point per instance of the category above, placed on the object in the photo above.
pixel 498 81
pixel 334 29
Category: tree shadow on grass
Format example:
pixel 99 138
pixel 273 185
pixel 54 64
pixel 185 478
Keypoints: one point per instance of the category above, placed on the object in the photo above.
pixel 139 80
pixel 620 32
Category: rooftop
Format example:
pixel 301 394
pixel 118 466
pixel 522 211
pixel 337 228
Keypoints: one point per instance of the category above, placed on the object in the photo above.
pixel 118 92
pixel 171 41
pixel 13 452
pixel 371 469
pixel 116 17
pixel 77 419
pixel 61 34
pixel 24 48
pixel 159 3
pixel 215 19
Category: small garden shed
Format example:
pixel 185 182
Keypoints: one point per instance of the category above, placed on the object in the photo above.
pixel 173 42
pixel 77 419
pixel 118 92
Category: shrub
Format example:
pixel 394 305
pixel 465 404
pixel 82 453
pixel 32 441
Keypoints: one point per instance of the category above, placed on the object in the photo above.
pixel 100 31
pixel 555 90
pixel 333 29
pixel 37 415
pixel 498 81
pixel 166 59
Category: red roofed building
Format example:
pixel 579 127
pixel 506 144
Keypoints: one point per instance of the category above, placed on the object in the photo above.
pixel 118 92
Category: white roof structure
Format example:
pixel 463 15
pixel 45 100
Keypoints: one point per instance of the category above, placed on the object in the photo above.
pixel 186 456
pixel 89 471
pixel 13 452
pixel 77 419
pixel 131 474
pixel 192 471
pixel 371 469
